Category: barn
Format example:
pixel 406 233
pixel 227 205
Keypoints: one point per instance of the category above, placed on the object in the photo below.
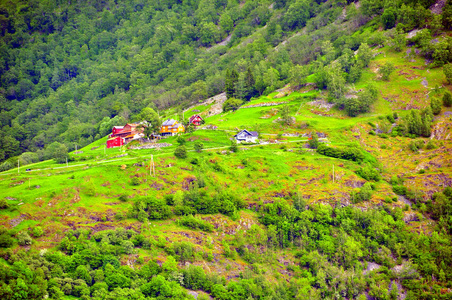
pixel 115 142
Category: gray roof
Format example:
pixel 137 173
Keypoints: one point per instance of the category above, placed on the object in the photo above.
pixel 169 122
pixel 251 133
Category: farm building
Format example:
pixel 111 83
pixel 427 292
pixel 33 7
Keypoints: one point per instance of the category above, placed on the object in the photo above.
pixel 171 127
pixel 246 136
pixel 115 142
pixel 121 135
pixel 116 130
pixel 196 120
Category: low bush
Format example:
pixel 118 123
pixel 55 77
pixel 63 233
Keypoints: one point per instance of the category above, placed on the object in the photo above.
pixel 195 223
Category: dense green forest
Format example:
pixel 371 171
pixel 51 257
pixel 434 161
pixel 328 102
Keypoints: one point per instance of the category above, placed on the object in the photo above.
pixel 352 203
pixel 71 70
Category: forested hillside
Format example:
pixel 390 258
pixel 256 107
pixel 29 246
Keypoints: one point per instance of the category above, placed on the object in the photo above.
pixel 71 69
pixel 343 191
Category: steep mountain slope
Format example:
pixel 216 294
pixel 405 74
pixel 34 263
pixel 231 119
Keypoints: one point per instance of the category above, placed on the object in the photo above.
pixel 347 195
pixel 71 68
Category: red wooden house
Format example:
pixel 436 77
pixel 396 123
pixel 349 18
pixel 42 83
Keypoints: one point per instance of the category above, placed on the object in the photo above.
pixel 115 142
pixel 116 130
pixel 196 120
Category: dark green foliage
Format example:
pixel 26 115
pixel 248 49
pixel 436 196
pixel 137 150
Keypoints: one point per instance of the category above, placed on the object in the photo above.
pixel 419 123
pixel 232 104
pixel 58 152
pixel 183 251
pixel 3 204
pixel 435 104
pixel 400 190
pixel 447 69
pixel 135 181
pixel 180 140
pixel 5 240
pixel 390 118
pixel 198 146
pixel 416 145
pixel 180 152
pixel 447 99
pixel 363 194
pixel 37 231
pixel 430 145
pixel 285 115
pixel 353 154
pixel 24 238
pixel 386 70
pixel 389 17
pixel 442 208
pixel 234 147
pixel 369 173
pixel 230 82
pixel 196 223
pixel 362 103
pixel 313 141
pixel 150 208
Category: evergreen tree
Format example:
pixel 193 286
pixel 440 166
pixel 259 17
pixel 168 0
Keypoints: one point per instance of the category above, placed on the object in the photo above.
pixel 435 104
pixel 447 99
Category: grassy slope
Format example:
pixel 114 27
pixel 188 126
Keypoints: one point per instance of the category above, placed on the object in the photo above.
pixel 86 193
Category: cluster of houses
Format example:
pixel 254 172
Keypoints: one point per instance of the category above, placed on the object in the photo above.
pixel 122 135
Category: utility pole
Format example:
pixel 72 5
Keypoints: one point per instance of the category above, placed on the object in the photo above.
pixel 67 165
pixel 152 166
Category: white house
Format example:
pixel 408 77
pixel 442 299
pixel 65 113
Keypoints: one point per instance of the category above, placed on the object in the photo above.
pixel 246 136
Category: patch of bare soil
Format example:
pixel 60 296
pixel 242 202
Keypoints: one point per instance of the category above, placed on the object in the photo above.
pixel 322 104
pixel 16 221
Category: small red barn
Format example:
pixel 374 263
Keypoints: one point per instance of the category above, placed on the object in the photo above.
pixel 116 130
pixel 196 120
pixel 115 142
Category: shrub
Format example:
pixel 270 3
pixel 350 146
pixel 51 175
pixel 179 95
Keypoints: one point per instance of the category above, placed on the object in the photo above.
pixel 313 141
pixel 184 251
pixel 363 194
pixel 447 99
pixel 37 231
pixel 436 106
pixel 234 147
pixel 180 152
pixel 390 118
pixel 135 181
pixel 3 204
pixel 386 70
pixel 353 154
pixel 24 239
pixel 196 223
pixel 180 140
pixel 198 146
pixel 123 198
pixel 430 145
pixel 369 173
pixel 447 69
pixel 232 104
pixel 416 145
pixel 5 241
